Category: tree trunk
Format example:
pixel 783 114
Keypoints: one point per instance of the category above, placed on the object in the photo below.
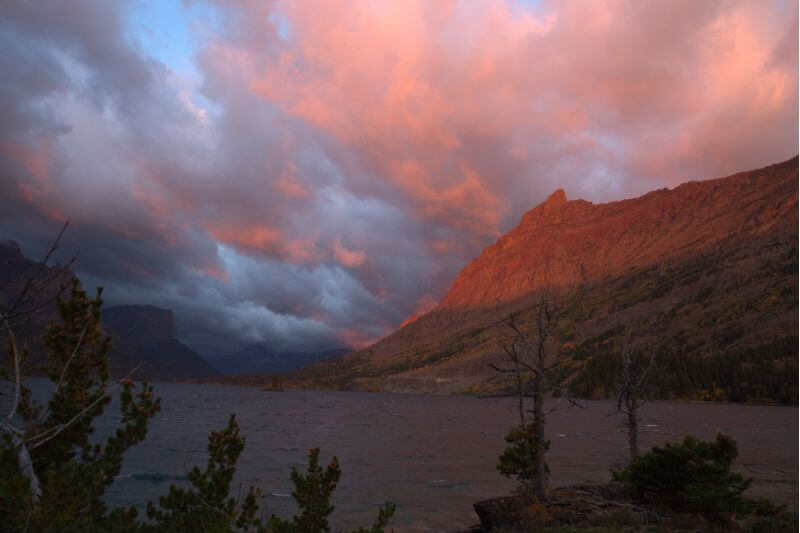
pixel 521 392
pixel 26 465
pixel 633 431
pixel 540 477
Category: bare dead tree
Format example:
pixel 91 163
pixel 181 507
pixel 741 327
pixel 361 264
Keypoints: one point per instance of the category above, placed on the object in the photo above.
pixel 34 296
pixel 33 299
pixel 545 325
pixel 510 370
pixel 531 359
pixel 632 391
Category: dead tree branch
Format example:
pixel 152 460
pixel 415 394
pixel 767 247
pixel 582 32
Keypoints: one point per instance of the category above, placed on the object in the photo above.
pixel 33 298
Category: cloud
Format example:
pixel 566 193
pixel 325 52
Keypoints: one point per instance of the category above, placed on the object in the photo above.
pixel 348 258
pixel 326 168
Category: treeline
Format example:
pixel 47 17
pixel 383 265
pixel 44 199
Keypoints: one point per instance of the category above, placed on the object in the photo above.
pixel 765 373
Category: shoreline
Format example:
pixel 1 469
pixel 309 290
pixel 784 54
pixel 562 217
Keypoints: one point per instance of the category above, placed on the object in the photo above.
pixel 289 388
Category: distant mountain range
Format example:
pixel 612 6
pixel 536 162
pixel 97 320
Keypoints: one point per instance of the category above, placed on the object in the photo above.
pixel 260 359
pixel 143 336
pixel 706 272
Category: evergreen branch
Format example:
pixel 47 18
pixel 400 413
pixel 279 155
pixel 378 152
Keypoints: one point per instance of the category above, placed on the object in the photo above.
pixel 61 427
pixel 41 417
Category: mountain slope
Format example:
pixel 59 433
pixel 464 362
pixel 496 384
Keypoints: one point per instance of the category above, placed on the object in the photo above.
pixel 707 270
pixel 150 332
pixel 174 360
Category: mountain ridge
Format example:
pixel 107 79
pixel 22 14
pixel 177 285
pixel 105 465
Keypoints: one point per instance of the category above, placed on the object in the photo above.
pixel 652 253
pixel 554 215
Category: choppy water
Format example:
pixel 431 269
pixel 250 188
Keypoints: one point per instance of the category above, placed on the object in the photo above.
pixel 433 456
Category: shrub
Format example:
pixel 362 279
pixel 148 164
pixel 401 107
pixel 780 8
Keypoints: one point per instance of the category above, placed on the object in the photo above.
pixel 519 458
pixel 690 477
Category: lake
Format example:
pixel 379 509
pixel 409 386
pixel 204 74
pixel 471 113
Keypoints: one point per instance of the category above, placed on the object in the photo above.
pixel 433 456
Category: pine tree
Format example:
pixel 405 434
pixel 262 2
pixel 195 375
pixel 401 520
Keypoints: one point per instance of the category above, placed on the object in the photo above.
pixel 206 506
pixel 519 458
pixel 65 476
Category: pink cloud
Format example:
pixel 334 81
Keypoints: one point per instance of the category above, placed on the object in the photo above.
pixel 288 183
pixel 356 339
pixel 411 88
pixel 396 138
pixel 37 187
pixel 254 237
pixel 263 240
pixel 347 257
pixel 213 271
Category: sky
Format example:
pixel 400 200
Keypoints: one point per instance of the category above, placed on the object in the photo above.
pixel 309 174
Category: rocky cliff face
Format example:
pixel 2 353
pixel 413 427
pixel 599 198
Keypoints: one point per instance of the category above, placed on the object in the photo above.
pixel 564 243
pixel 709 268
pixel 150 332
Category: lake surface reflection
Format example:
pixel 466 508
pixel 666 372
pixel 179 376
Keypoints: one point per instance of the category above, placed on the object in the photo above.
pixel 433 456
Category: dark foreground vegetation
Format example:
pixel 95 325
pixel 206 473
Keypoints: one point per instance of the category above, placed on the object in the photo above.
pixel 687 486
pixel 53 474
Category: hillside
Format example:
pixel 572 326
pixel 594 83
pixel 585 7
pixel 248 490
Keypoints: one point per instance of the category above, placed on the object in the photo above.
pixel 706 272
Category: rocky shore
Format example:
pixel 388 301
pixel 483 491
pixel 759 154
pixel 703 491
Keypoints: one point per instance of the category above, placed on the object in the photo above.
pixel 609 507
pixel 576 506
